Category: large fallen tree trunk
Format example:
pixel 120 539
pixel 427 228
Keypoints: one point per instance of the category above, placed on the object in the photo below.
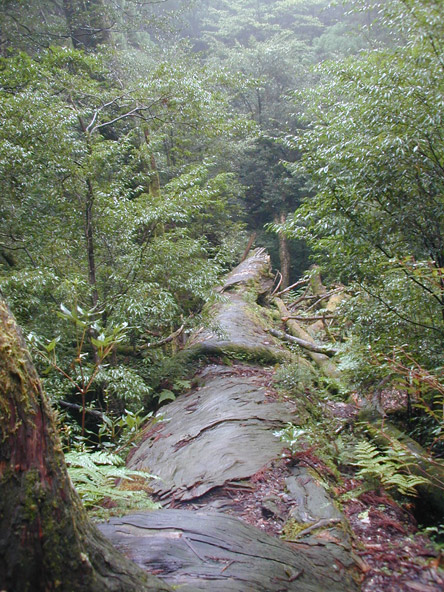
pixel 211 551
pixel 46 540
pixel 214 448
pixel 238 324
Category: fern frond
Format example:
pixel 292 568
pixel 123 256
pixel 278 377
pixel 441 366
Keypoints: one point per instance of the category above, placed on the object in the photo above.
pixel 390 467
pixel 94 475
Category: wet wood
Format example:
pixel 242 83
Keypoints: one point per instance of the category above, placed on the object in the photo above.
pixel 325 364
pixel 220 432
pixel 238 331
pixel 214 551
pixel 310 345
pixel 254 272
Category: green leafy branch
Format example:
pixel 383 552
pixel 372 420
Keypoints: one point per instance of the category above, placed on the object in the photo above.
pixel 103 341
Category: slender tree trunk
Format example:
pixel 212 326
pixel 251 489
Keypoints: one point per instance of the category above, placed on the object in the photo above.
pixel 249 246
pixel 154 183
pixel 284 253
pixel 89 236
pixel 46 540
pixel 259 107
pixel 89 226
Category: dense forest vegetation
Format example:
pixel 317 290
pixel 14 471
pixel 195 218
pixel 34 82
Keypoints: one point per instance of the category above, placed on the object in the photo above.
pixel 142 144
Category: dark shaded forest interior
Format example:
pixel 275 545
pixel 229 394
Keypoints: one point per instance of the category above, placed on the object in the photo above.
pixel 221 236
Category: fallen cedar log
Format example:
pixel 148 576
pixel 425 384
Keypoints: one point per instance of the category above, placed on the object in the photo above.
pixel 321 359
pixel 213 440
pixel 208 550
pixel 313 347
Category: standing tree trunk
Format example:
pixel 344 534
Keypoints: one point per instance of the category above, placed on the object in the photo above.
pixel 154 183
pixel 46 540
pixel 284 253
pixel 89 238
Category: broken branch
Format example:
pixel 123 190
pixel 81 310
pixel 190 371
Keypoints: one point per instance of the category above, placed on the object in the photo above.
pixel 308 319
pixel 165 340
pixel 320 349
pixel 295 285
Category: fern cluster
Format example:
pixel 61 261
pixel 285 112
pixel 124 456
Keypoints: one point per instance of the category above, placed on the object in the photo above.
pixel 390 467
pixel 95 474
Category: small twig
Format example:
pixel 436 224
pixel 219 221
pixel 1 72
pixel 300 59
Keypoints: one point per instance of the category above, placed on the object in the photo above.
pixel 227 566
pixel 76 407
pixel 319 524
pixel 308 319
pixel 300 299
pixel 323 297
pixel 194 550
pixel 248 247
pixel 278 284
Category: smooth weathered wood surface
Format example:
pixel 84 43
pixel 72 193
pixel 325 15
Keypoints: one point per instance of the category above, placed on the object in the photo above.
pixel 237 326
pixel 213 551
pixel 222 431
pixel 237 331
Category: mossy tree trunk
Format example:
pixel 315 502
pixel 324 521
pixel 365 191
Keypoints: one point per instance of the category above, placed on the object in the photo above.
pixel 46 540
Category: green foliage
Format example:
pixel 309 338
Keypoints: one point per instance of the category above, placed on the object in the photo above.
pixel 317 437
pixel 123 388
pixel 81 221
pixel 95 475
pixel 271 44
pixel 390 468
pixel 295 379
pixel 178 386
pixel 425 392
pixel 372 150
pixel 292 436
pixel 94 343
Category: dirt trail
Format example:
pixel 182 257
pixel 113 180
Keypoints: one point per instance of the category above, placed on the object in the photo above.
pixel 217 457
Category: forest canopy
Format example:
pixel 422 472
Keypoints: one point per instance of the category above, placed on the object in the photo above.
pixel 142 144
